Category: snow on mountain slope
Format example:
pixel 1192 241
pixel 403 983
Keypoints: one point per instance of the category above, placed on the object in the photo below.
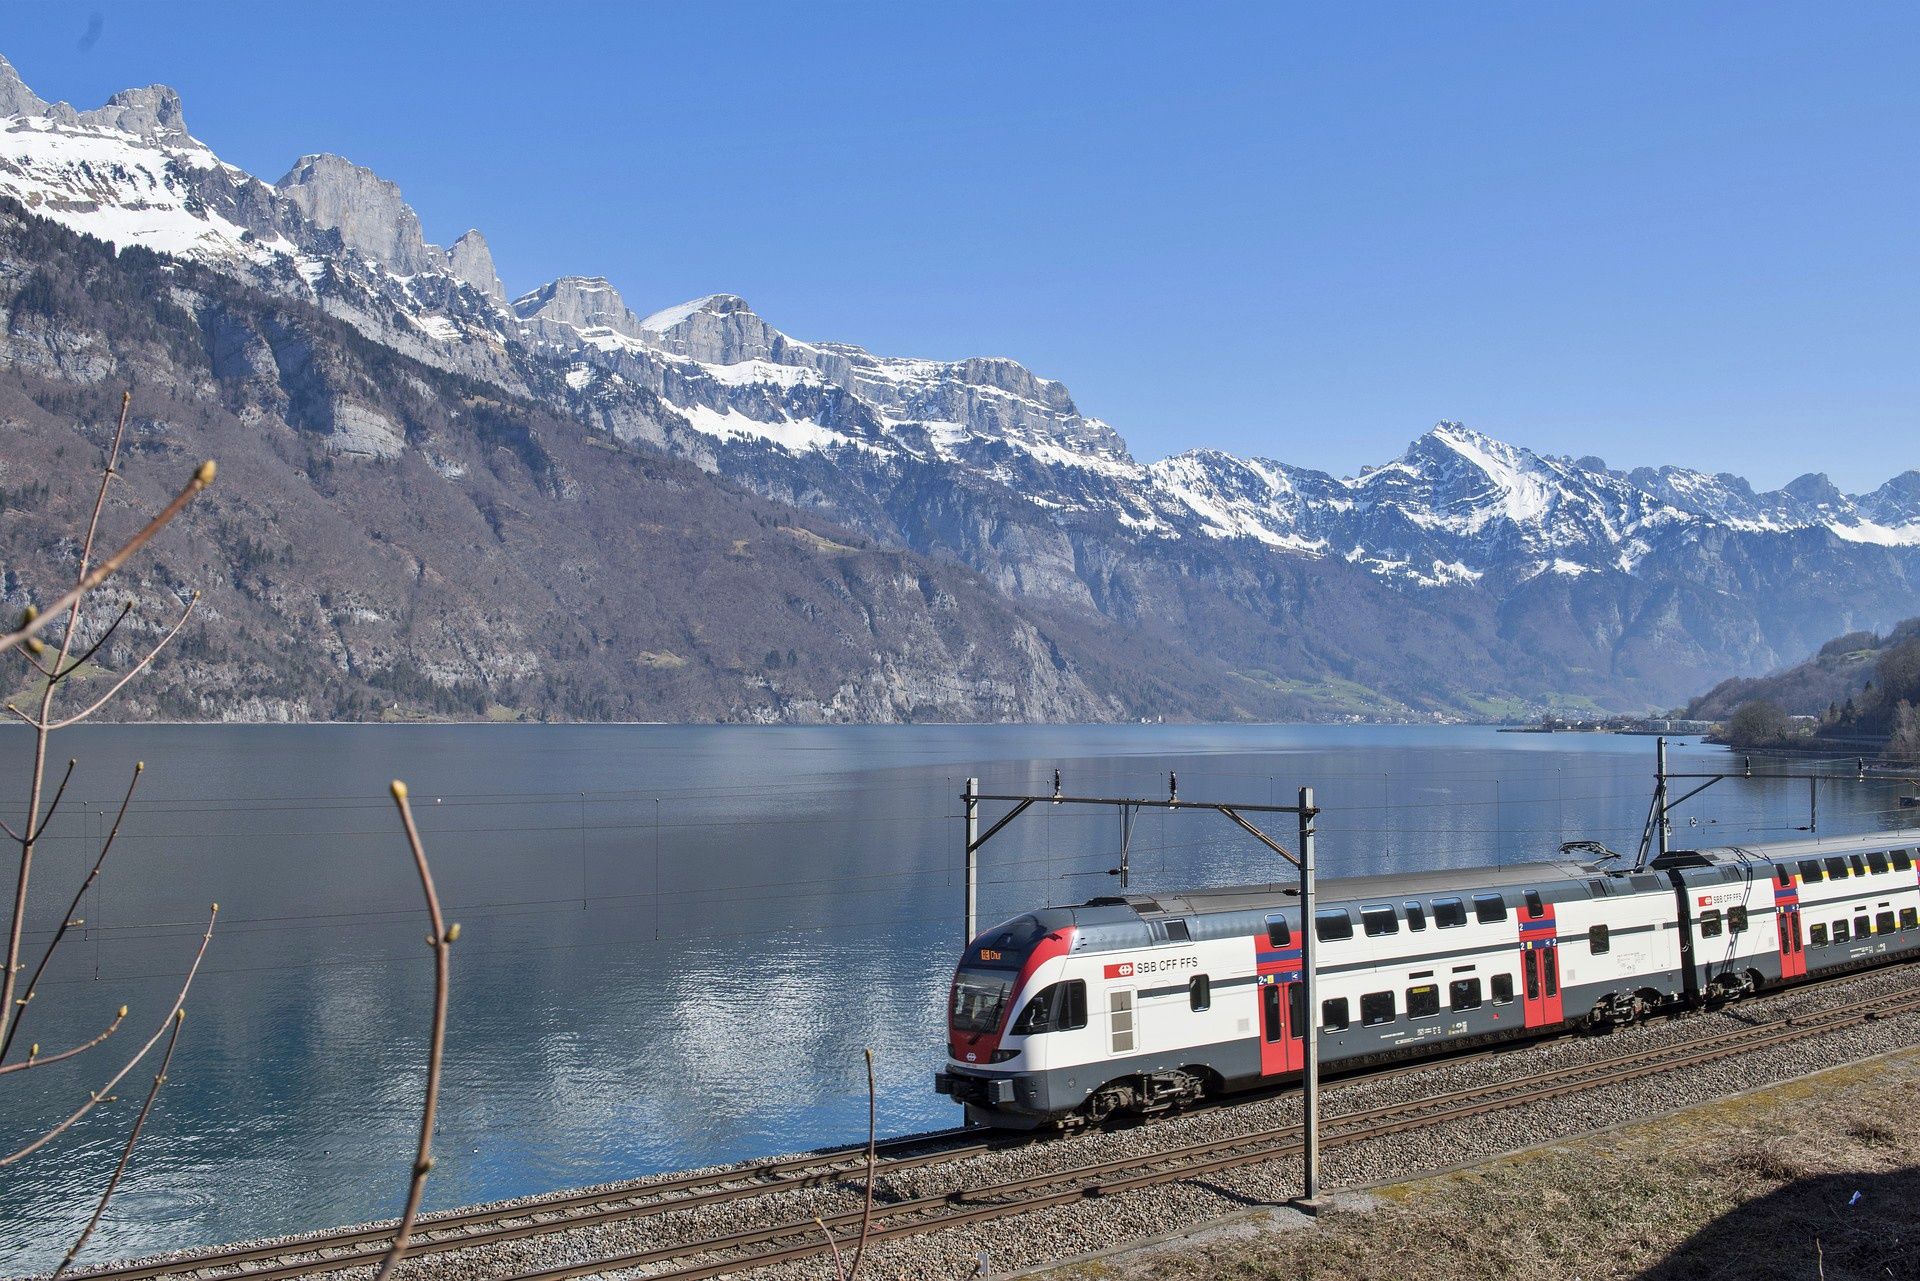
pixel 711 377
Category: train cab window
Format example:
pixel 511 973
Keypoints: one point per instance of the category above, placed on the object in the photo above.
pixel 1877 861
pixel 1502 989
pixel 1910 918
pixel 1817 935
pixel 1376 1008
pixel 1736 920
pixel 1332 923
pixel 1710 923
pixel 1902 862
pixel 1598 940
pixel 1842 932
pixel 1199 992
pixel 1837 868
pixel 1058 1007
pixel 1464 994
pixel 1449 912
pixel 1278 934
pixel 1423 1000
pixel 1380 918
pixel 1177 932
pixel 1333 1014
pixel 1883 923
pixel 1535 908
pixel 1862 926
pixel 1811 872
pixel 1416 917
pixel 1488 908
pixel 1859 864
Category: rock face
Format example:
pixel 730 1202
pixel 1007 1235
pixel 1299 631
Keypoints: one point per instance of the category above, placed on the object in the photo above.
pixel 364 208
pixel 472 261
pixel 1465 570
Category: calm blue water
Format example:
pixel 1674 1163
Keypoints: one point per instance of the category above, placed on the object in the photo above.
pixel 676 940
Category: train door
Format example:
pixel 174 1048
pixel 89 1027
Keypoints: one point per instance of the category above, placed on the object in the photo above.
pixel 1786 902
pixel 1283 1027
pixel 1540 962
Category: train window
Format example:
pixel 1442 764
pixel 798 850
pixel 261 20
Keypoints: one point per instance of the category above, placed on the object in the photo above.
pixel 1883 923
pixel 1811 872
pixel 1177 932
pixel 1837 868
pixel 1416 917
pixel 1059 1007
pixel 1278 935
pixel 1817 935
pixel 1535 908
pixel 1909 918
pixel 1297 1010
pixel 1502 988
pixel 1423 1000
pixel 1464 994
pixel 1449 912
pixel 1842 932
pixel 1270 1021
pixel 1550 970
pixel 1376 1008
pixel 1199 992
pixel 1862 926
pixel 1901 861
pixel 1530 962
pixel 1333 1015
pixel 1859 864
pixel 1332 923
pixel 1488 908
pixel 1736 920
pixel 979 999
pixel 1379 918
pixel 1782 876
pixel 1877 861
pixel 1710 923
pixel 1598 940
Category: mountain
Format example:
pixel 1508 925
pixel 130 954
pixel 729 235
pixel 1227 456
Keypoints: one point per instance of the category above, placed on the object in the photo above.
pixel 1466 576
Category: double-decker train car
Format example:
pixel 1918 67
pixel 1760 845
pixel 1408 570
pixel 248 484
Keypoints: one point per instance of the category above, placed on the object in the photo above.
pixel 1143 1003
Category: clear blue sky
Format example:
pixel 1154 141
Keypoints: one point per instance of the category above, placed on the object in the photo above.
pixel 1655 232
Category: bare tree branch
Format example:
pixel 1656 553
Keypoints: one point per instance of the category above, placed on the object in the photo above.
pixel 126 1153
pixel 100 1095
pixel 36 830
pixel 866 1215
pixel 111 565
pixel 67 921
pixel 440 938
pixel 94 648
pixel 33 1059
pixel 133 671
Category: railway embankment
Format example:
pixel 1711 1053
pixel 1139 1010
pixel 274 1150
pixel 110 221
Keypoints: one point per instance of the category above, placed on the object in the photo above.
pixel 1817 1176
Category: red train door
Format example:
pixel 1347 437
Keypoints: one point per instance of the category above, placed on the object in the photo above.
pixel 1540 963
pixel 1786 902
pixel 1283 1027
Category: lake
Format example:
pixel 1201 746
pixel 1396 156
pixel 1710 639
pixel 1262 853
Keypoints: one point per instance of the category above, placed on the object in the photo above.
pixel 676 941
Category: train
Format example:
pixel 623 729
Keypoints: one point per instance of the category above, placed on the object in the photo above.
pixel 1143 1003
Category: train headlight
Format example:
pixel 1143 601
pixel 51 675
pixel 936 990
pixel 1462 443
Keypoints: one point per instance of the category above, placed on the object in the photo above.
pixel 1001 1056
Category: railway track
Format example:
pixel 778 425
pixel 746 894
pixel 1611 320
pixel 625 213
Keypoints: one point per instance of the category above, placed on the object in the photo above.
pixel 802 1238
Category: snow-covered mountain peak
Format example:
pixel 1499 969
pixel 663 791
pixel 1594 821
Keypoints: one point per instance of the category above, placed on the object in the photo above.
pixel 152 113
pixel 588 306
pixel 15 98
pixel 669 318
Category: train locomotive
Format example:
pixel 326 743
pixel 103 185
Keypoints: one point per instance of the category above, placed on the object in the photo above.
pixel 1142 1003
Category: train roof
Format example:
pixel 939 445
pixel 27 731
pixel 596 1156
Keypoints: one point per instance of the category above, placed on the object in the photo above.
pixel 1806 847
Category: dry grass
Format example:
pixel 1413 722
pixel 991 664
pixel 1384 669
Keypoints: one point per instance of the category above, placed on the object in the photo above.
pixel 1755 1188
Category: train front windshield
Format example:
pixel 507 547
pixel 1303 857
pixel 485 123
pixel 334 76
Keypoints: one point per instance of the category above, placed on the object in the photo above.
pixel 979 999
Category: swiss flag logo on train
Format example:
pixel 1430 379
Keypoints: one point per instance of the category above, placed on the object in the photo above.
pixel 1124 970
pixel 1705 899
